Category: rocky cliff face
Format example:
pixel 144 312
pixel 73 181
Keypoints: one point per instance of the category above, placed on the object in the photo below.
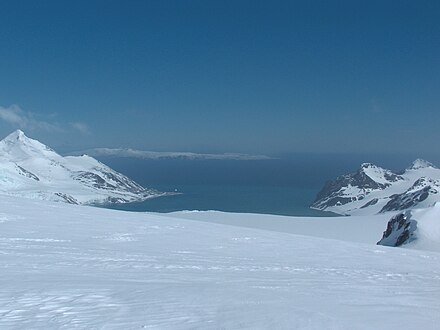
pixel 400 230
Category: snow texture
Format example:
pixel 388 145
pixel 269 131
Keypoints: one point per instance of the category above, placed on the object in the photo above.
pixel 78 267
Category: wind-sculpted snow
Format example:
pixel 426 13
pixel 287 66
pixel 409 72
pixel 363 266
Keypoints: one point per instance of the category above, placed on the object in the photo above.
pixel 64 266
pixel 30 169
pixel 372 189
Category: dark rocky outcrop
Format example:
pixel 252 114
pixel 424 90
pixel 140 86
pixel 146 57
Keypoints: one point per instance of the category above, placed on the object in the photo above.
pixel 26 173
pixel 94 179
pixel 372 202
pixel 67 198
pixel 400 230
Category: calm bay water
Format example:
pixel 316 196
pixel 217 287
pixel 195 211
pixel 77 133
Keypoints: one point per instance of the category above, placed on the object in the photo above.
pixel 279 186
pixel 248 199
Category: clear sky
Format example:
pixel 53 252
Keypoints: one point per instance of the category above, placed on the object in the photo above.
pixel 223 76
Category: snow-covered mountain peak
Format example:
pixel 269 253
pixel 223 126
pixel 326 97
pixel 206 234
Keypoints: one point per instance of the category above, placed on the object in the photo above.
pixel 379 174
pixel 368 165
pixel 372 189
pixel 31 169
pixel 370 168
pixel 17 134
pixel 18 138
pixel 420 163
pixel 17 147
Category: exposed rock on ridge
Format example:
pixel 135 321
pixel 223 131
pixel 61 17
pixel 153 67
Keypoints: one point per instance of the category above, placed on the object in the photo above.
pixel 372 189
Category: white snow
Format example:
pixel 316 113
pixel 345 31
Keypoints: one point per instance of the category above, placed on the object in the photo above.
pixel 360 229
pixel 420 169
pixel 67 266
pixel 421 163
pixel 376 173
pixel 30 169
pixel 428 228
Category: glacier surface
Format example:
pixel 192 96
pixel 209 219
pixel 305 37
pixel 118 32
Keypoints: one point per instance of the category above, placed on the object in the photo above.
pixel 70 266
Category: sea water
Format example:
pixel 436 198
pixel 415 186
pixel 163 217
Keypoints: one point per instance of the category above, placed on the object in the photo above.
pixel 230 198
pixel 284 186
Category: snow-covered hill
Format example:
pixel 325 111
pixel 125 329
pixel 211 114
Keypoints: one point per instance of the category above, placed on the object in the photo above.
pixel 69 267
pixel 31 169
pixel 372 190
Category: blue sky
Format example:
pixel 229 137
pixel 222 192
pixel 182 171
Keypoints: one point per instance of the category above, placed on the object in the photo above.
pixel 263 77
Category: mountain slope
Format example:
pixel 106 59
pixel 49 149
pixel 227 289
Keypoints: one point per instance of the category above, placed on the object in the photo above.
pixel 31 169
pixel 373 189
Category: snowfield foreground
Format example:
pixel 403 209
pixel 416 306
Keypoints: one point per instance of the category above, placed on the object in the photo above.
pixel 67 266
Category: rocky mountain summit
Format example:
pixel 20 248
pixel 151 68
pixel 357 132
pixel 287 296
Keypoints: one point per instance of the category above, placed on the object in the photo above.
pixel 372 189
pixel 31 169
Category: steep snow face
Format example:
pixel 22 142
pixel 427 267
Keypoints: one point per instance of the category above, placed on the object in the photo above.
pixel 69 267
pixel 31 169
pixel 373 189
pixel 427 235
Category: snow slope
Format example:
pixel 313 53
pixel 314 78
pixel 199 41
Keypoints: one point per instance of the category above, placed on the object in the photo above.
pixel 31 169
pixel 427 235
pixel 360 229
pixel 372 190
pixel 68 266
